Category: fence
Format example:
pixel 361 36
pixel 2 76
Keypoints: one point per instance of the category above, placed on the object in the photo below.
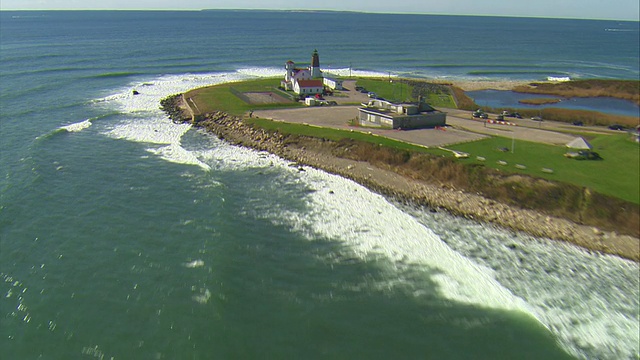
pixel 240 94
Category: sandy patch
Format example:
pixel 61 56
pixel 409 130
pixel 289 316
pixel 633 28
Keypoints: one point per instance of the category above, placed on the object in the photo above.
pixel 266 98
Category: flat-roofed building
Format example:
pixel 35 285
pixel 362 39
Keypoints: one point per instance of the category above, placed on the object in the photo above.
pixel 385 114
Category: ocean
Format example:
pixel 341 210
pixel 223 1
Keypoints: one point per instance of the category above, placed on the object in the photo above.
pixel 125 236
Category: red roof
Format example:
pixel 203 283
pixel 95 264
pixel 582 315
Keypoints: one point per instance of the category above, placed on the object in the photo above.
pixel 310 83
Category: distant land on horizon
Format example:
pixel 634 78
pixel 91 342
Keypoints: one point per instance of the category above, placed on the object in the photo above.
pixel 329 11
pixel 416 14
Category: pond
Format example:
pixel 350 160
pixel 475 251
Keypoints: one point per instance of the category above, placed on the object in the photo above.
pixel 499 99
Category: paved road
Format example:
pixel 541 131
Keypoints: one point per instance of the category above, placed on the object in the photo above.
pixel 338 117
pixel 542 132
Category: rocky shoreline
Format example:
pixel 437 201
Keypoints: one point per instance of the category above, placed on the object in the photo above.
pixel 316 153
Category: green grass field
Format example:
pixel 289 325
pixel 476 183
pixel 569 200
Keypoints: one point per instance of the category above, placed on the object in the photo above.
pixel 395 90
pixel 220 97
pixel 618 174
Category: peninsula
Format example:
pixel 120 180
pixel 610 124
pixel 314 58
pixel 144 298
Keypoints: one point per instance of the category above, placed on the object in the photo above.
pixel 419 166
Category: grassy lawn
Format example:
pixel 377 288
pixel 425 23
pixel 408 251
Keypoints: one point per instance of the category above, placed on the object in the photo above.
pixel 617 175
pixel 398 91
pixel 392 90
pixel 220 97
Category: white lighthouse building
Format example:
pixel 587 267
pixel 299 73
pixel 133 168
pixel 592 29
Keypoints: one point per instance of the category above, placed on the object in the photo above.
pixel 304 80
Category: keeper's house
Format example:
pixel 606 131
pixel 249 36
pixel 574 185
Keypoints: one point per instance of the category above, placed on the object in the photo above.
pixel 384 114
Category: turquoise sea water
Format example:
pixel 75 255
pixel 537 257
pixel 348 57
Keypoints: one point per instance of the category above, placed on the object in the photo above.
pixel 123 235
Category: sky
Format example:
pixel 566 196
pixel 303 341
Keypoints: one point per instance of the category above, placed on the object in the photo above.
pixel 578 9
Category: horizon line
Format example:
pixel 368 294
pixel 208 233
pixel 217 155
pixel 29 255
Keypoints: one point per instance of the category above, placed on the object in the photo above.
pixel 337 11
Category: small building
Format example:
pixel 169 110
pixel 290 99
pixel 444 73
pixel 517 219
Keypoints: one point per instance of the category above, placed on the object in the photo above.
pixel 382 113
pixel 333 84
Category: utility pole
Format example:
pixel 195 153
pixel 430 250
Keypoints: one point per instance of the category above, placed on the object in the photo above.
pixel 513 142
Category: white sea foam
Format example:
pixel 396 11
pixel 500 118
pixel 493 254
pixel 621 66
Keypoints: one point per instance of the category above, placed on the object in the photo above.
pixel 76 127
pixel 356 72
pixel 261 72
pixel 194 264
pixel 558 78
pixel 376 227
pixel 146 123
pixel 203 296
pixel 234 158
pixel 589 301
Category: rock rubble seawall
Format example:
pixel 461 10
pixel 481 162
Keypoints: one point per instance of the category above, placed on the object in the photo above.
pixel 317 153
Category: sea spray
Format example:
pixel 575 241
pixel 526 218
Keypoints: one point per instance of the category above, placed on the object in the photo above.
pixel 76 127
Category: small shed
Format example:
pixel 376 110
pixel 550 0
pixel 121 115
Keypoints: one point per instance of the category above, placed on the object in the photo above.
pixel 579 143
pixel 333 84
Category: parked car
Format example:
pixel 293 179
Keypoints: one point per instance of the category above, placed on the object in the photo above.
pixel 516 115
pixel 617 127
pixel 484 116
pixel 577 123
pixel 476 114
pixel 500 117
pixel 536 118
pixel 371 95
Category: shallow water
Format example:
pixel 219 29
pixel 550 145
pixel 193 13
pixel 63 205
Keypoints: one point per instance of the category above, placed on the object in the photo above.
pixel 499 99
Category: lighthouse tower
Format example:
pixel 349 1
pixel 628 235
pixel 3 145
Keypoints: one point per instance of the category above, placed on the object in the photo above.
pixel 315 65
